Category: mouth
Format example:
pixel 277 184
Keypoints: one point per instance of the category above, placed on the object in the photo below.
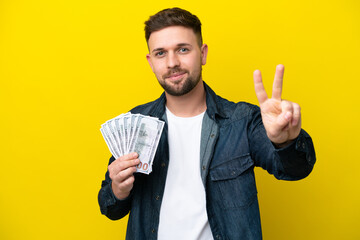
pixel 176 76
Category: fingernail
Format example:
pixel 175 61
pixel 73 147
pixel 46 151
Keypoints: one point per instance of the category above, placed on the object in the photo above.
pixel 134 154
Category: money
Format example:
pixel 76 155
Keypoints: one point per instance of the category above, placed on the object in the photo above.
pixel 138 133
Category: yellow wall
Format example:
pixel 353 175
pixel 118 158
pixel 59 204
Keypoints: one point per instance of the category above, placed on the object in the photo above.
pixel 68 66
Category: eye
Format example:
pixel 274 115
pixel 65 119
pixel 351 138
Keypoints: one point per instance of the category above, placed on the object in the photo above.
pixel 159 54
pixel 183 50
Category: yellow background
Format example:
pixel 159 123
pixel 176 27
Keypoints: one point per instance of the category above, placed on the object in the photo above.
pixel 68 66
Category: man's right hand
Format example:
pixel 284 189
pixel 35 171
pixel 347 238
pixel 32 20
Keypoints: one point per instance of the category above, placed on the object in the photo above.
pixel 121 172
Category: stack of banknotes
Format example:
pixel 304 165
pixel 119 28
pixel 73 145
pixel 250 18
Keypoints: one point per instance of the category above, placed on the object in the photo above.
pixel 128 133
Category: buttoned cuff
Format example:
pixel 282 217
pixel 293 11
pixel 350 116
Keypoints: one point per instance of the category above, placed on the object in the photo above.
pixel 302 145
pixel 109 199
pixel 298 158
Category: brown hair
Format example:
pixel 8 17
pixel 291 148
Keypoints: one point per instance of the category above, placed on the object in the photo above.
pixel 173 17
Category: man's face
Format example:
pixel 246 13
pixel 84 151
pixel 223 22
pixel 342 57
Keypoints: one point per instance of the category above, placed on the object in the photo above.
pixel 176 59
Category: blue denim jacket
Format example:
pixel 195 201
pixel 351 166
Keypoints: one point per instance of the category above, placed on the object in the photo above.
pixel 233 141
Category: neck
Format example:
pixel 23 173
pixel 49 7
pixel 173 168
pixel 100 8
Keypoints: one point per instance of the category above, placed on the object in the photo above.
pixel 191 104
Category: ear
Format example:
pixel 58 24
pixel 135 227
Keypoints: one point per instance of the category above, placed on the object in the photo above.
pixel 204 52
pixel 148 58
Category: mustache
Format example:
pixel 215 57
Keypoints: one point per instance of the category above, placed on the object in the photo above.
pixel 174 71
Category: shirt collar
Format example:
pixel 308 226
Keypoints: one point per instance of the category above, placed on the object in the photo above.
pixel 213 107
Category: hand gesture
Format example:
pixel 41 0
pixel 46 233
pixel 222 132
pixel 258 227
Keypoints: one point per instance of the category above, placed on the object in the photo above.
pixel 121 172
pixel 281 118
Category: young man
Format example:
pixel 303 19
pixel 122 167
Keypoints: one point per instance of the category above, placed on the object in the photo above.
pixel 202 185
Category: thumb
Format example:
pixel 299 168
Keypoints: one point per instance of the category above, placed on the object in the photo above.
pixel 284 119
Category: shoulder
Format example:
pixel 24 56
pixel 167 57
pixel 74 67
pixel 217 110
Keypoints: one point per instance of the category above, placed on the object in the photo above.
pixel 153 108
pixel 143 107
pixel 237 111
pixel 229 110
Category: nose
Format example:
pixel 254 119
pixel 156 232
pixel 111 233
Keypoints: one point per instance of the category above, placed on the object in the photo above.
pixel 172 60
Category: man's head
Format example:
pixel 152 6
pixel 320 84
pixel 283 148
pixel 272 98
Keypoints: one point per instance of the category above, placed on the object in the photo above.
pixel 173 17
pixel 176 54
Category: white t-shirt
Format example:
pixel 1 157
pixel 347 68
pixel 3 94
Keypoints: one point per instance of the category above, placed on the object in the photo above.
pixel 183 209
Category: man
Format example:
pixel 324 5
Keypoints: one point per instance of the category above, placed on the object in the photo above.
pixel 202 185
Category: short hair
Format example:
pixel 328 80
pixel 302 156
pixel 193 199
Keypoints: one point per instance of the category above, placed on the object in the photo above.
pixel 173 17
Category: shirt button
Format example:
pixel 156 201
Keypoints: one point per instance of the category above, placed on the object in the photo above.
pixel 153 230
pixel 298 144
pixel 218 237
pixel 233 173
pixel 212 135
pixel 157 197
pixel 203 167
pixel 303 145
pixel 163 164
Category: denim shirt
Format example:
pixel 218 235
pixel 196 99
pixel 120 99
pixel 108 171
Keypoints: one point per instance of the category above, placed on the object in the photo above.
pixel 233 142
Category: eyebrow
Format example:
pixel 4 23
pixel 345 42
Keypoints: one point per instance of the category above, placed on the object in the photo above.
pixel 178 45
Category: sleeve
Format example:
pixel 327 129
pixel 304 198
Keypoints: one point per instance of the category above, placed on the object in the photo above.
pixel 292 162
pixel 110 206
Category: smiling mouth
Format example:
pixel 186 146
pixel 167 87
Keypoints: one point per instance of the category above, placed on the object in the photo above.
pixel 176 76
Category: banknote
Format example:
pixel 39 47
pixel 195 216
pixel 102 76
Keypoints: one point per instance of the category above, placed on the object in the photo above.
pixel 144 142
pixel 138 133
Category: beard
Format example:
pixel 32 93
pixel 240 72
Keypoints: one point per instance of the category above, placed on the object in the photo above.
pixel 181 87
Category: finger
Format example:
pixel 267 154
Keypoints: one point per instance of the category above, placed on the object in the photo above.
pixel 125 158
pixel 122 163
pixel 286 114
pixel 125 174
pixel 129 181
pixel 296 119
pixel 128 156
pixel 122 190
pixel 278 82
pixel 286 106
pixel 259 87
pixel 127 184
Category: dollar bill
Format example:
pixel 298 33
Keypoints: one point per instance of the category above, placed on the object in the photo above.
pixel 133 133
pixel 110 140
pixel 145 134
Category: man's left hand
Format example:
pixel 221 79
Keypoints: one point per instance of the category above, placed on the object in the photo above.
pixel 281 118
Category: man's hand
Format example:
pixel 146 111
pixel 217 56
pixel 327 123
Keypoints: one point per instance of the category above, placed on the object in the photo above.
pixel 121 172
pixel 281 118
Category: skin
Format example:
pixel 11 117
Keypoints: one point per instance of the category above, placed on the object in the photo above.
pixel 121 172
pixel 281 118
pixel 176 59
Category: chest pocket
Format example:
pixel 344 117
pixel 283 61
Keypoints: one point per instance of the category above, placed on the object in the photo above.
pixel 233 182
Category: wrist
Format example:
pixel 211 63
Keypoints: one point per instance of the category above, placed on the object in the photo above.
pixel 118 194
